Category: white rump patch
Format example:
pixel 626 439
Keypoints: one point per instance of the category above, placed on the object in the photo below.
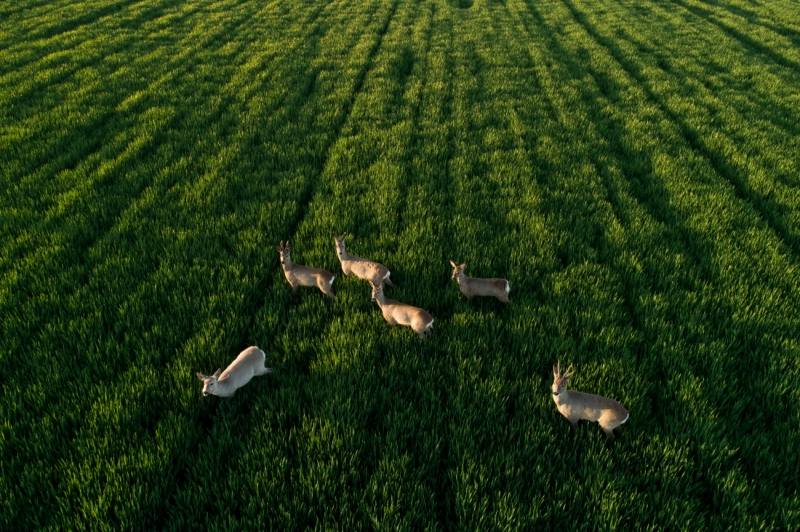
pixel 626 418
pixel 333 278
pixel 508 287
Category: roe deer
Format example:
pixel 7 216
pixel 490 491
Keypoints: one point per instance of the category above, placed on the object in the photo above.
pixel 298 275
pixel 364 269
pixel 396 313
pixel 476 286
pixel 249 364
pixel 575 405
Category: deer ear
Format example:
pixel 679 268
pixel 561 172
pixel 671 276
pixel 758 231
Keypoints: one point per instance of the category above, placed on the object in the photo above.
pixel 200 376
pixel 463 266
pixel 555 372
pixel 452 263
pixel 217 373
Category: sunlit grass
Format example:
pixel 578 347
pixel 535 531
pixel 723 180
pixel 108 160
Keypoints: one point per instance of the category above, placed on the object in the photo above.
pixel 630 167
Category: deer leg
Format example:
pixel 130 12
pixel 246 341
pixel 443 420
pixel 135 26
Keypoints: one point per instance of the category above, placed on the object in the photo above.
pixel 325 288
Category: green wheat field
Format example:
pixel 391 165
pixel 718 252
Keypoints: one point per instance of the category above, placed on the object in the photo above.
pixel 632 167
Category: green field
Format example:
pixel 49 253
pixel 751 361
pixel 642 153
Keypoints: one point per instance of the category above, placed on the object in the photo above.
pixel 632 167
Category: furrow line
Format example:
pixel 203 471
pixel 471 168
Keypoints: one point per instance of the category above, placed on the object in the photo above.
pixel 766 208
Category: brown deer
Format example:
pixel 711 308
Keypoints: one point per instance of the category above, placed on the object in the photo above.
pixel 249 364
pixel 575 405
pixel 364 269
pixel 298 275
pixel 396 313
pixel 476 286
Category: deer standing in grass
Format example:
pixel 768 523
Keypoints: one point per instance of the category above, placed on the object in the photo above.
pixel 249 364
pixel 575 405
pixel 396 313
pixel 476 286
pixel 298 275
pixel 367 270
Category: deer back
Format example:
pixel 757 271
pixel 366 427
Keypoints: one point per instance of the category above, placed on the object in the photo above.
pixel 592 407
pixel 244 367
pixel 477 286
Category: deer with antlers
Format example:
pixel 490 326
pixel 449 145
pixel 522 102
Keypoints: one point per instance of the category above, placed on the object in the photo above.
pixel 575 405
pixel 396 313
pixel 477 286
pixel 297 275
pixel 367 270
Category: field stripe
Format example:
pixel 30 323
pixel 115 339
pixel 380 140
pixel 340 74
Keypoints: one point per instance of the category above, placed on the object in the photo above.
pixel 58 216
pixel 765 207
pixel 743 39
pixel 340 125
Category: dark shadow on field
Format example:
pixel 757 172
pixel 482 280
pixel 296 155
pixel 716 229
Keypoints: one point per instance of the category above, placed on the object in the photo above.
pixel 734 358
pixel 65 24
pixel 119 196
pixel 311 333
pixel 771 212
pixel 77 250
pixel 119 361
pixel 60 152
pixel 720 80
pixel 755 18
pixel 776 114
pixel 747 42
pixel 462 4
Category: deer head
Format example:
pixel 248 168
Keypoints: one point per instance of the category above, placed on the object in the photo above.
pixel 560 379
pixel 340 250
pixel 209 382
pixel 458 269
pixel 284 250
pixel 377 293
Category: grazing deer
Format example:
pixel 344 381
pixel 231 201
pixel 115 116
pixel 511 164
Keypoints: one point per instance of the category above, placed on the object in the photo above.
pixel 578 405
pixel 396 313
pixel 298 275
pixel 249 364
pixel 476 286
pixel 364 269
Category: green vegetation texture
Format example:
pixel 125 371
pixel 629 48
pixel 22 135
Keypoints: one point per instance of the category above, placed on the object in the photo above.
pixel 632 168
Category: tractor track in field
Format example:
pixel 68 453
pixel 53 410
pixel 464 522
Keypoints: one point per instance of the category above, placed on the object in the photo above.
pixel 770 111
pixel 312 184
pixel 88 406
pixel 182 65
pixel 629 288
pixel 744 40
pixel 108 222
pixel 84 19
pixel 764 207
pixel 120 215
pixel 40 65
pixel 245 412
pixel 86 276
